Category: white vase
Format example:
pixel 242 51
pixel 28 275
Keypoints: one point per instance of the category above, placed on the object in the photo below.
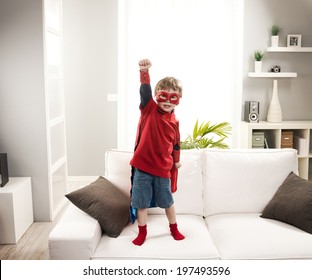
pixel 274 41
pixel 275 110
pixel 258 66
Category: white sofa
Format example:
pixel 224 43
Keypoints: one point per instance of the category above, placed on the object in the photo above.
pixel 221 194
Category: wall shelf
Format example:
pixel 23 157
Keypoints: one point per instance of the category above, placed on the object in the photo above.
pixel 289 49
pixel 272 75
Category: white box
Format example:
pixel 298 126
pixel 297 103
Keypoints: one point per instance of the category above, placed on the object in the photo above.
pixel 301 145
pixel 16 209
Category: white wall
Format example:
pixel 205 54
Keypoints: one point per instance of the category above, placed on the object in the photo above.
pixel 294 17
pixel 22 103
pixel 90 74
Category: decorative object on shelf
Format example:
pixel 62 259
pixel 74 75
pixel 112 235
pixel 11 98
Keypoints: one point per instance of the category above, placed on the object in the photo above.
pixel 294 40
pixel 275 30
pixel 258 55
pixel 275 69
pixel 258 140
pixel 252 111
pixel 275 110
pixel 4 174
pixel 287 139
pixel 301 145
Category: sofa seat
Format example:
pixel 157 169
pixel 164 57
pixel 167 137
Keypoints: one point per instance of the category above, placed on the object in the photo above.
pixel 159 243
pixel 247 236
pixel 221 194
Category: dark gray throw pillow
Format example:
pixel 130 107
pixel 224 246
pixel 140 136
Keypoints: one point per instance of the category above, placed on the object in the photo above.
pixel 104 202
pixel 292 203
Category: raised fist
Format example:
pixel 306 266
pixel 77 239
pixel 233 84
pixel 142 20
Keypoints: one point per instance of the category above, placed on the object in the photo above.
pixel 144 64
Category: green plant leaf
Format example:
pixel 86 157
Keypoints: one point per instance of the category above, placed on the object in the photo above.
pixel 206 135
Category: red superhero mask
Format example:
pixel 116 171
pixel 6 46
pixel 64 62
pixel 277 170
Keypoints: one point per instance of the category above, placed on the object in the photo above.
pixel 163 96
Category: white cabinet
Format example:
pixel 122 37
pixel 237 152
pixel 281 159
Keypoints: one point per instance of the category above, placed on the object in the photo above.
pixel 273 134
pixel 16 209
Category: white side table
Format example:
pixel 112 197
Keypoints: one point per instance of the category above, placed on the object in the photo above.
pixel 16 209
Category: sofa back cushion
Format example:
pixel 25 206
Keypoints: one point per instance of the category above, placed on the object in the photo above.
pixel 118 170
pixel 244 181
pixel 188 197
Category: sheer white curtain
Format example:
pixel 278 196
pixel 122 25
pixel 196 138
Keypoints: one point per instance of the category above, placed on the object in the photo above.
pixel 197 41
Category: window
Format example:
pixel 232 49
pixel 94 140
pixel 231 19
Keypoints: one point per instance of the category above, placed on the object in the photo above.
pixel 197 41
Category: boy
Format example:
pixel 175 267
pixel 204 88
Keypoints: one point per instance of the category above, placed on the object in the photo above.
pixel 156 157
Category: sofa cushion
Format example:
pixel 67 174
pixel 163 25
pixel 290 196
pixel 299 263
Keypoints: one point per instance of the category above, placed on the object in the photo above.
pixel 241 181
pixel 159 244
pixel 104 202
pixel 292 203
pixel 118 169
pixel 247 236
pixel 188 197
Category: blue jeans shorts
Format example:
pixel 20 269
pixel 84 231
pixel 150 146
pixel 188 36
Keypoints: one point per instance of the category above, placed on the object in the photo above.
pixel 148 189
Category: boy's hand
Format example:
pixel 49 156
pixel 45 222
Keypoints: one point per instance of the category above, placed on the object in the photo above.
pixel 144 65
pixel 177 165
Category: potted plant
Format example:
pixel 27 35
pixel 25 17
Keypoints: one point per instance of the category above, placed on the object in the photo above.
pixel 275 30
pixel 207 135
pixel 258 55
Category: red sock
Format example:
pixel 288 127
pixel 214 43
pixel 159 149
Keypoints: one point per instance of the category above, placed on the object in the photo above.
pixel 175 232
pixel 141 236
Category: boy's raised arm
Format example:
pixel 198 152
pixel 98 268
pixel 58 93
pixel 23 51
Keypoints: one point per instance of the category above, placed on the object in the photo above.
pixel 144 64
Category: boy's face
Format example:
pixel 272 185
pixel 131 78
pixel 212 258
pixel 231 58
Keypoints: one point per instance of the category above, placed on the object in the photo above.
pixel 167 99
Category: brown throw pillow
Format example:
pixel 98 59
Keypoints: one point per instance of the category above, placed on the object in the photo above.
pixel 104 202
pixel 292 203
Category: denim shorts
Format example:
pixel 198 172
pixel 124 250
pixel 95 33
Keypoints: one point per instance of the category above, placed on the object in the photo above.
pixel 148 190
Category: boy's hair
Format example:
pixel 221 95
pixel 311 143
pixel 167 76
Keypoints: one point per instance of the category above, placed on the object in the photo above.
pixel 169 83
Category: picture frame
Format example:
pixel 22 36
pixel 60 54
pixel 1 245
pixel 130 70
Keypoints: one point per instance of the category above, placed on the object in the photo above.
pixel 294 40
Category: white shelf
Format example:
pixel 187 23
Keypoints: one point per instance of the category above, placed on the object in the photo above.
pixel 272 75
pixel 289 49
pixel 280 125
pixel 273 134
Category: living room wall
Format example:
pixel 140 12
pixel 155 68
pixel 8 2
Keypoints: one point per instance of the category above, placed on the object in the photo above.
pixel 91 72
pixel 92 77
pixel 90 83
pixel 22 98
pixel 294 17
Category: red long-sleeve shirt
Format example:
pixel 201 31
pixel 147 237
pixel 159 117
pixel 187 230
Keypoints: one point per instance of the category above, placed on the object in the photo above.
pixel 158 138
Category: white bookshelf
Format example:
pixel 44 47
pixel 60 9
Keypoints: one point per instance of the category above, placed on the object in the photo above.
pixel 273 135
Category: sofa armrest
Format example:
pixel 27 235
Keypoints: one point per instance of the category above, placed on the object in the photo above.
pixel 75 236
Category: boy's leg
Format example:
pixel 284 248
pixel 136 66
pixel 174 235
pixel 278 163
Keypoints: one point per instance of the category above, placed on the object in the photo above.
pixel 142 216
pixel 142 219
pixel 142 193
pixel 171 215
